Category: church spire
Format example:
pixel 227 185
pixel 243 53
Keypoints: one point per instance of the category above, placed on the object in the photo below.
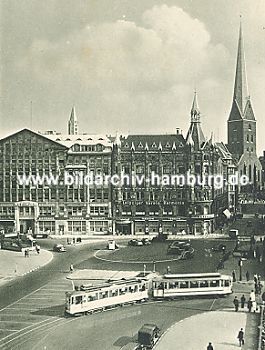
pixel 195 136
pixel 241 87
pixel 72 123
pixel 195 112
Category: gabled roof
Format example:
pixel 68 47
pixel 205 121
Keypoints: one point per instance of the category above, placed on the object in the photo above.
pixel 195 136
pixel 44 138
pixel 81 139
pixel 248 113
pixel 163 142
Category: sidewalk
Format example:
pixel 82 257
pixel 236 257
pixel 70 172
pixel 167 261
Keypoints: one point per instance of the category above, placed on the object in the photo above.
pixel 14 264
pixel 194 333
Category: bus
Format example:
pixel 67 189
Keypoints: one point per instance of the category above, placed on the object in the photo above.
pixel 192 284
pixel 106 295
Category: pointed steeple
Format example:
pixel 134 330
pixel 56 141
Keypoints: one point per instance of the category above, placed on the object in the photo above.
pixel 117 141
pixel 195 136
pixel 241 94
pixel 195 112
pixel 73 124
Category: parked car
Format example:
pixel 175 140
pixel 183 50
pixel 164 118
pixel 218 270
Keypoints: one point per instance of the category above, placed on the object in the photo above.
pixel 161 237
pixel 146 241
pixel 135 242
pixel 59 248
pixel 148 335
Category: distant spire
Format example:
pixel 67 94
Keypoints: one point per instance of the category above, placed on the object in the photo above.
pixel 241 94
pixel 117 141
pixel 195 136
pixel 195 112
pixel 73 124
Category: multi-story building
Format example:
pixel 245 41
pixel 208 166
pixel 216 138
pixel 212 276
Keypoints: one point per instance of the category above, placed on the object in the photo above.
pixel 59 207
pixel 170 207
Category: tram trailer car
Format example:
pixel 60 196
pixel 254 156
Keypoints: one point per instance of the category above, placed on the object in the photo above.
pixel 194 284
pixel 108 295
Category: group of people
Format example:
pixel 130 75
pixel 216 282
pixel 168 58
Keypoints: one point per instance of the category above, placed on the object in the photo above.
pixel 240 337
pixel 250 303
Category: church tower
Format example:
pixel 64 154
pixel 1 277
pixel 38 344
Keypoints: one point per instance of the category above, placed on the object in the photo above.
pixel 72 123
pixel 241 122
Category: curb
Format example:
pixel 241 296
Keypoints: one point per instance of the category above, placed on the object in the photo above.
pixel 10 278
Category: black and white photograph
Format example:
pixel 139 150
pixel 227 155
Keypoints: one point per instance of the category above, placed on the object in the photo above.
pixel 132 174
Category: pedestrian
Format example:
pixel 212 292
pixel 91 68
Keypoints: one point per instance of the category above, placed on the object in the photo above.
pixel 263 298
pixel 255 277
pixel 236 304
pixel 247 276
pixel 25 253
pixel 254 306
pixel 234 275
pixel 71 268
pixel 242 301
pixel 210 347
pixel 240 337
pixel 252 295
pixel 249 305
pixel 37 249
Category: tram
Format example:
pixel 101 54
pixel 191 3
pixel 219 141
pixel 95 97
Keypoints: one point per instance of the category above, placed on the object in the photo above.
pixel 106 295
pixel 193 284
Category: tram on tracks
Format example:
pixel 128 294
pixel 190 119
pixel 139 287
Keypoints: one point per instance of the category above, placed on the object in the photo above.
pixel 193 284
pixel 107 295
pixel 90 299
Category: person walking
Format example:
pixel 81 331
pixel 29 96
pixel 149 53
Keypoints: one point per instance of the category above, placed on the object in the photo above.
pixel 249 305
pixel 247 276
pixel 252 295
pixel 240 337
pixel 242 301
pixel 210 347
pixel 263 298
pixel 236 304
pixel 254 306
pixel 71 268
pixel 234 275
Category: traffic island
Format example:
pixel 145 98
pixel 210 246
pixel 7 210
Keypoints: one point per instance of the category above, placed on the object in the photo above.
pixel 16 264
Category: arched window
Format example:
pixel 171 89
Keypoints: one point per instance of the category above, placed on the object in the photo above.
pixel 250 172
pixel 252 138
pixel 247 138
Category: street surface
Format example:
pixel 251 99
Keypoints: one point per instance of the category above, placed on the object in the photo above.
pixel 32 307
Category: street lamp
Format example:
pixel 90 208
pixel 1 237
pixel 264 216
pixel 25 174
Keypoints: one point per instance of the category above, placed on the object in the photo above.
pixel 240 264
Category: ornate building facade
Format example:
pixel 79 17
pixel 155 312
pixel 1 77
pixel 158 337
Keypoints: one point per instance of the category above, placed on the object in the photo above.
pixel 171 208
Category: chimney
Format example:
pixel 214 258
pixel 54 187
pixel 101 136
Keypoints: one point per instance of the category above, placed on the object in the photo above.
pixel 177 131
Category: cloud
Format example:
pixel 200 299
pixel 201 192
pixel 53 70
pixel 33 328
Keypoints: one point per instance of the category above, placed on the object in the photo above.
pixel 131 73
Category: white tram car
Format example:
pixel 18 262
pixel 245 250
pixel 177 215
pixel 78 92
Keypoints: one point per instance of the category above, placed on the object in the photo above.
pixel 193 284
pixel 106 295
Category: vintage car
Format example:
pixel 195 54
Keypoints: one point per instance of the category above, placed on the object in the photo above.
pixel 148 335
pixel 59 248
pixel 135 242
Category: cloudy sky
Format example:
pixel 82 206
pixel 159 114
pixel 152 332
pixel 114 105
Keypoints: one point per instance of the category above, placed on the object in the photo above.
pixel 128 65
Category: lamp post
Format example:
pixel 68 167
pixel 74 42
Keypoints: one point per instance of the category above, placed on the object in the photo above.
pixel 240 264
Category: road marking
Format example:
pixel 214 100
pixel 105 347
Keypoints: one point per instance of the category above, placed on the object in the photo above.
pixel 9 330
pixel 22 329
pixel 17 301
pixel 16 321
pixel 20 308
pixel 212 305
pixel 29 331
